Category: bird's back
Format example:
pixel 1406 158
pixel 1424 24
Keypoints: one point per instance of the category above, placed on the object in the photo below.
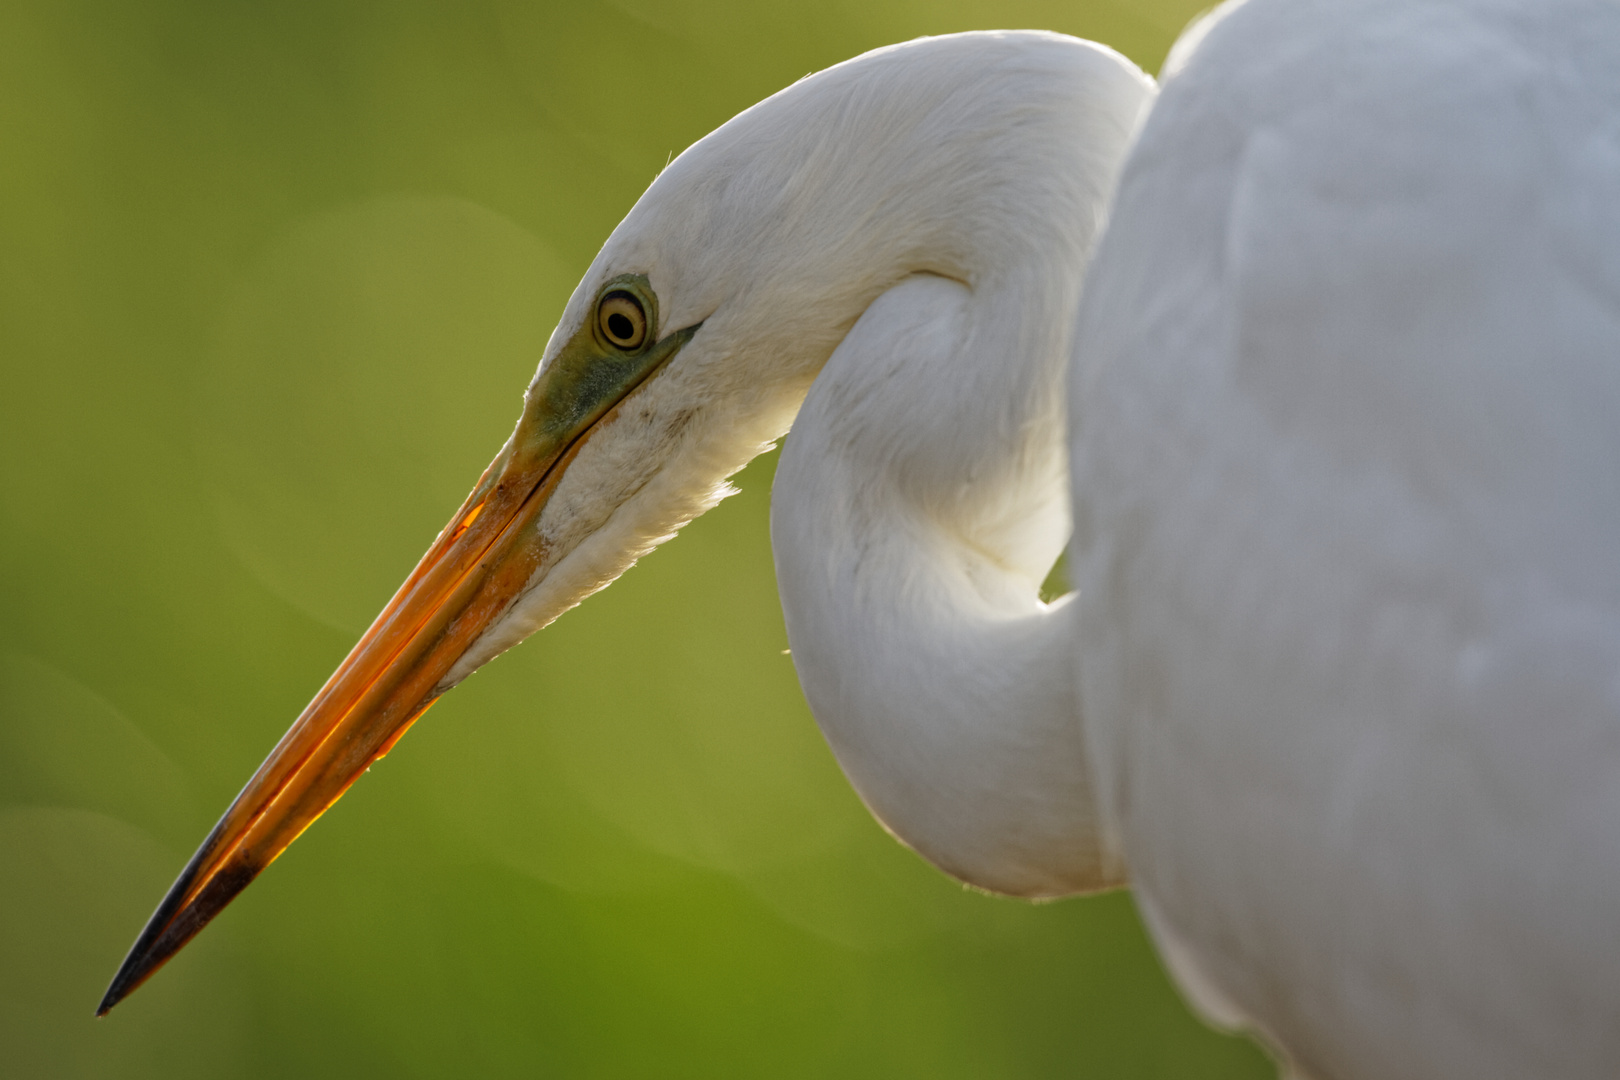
pixel 1347 479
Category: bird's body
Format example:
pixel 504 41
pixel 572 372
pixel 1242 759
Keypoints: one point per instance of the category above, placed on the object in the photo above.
pixel 1337 410
pixel 1347 454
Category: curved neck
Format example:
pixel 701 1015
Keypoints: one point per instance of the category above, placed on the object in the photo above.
pixel 921 499
pixel 943 684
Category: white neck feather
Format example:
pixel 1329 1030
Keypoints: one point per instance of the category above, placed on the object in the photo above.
pixel 919 502
pixel 942 683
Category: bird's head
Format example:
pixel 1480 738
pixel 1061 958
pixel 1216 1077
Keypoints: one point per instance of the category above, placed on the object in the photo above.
pixel 684 352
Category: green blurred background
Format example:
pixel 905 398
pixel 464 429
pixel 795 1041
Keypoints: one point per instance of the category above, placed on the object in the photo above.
pixel 274 276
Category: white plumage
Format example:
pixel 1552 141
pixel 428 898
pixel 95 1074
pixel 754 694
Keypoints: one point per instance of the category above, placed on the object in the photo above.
pixel 1340 693
pixel 1347 463
pixel 1337 411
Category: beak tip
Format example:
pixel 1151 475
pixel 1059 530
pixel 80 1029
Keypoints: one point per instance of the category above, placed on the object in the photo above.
pixel 177 920
pixel 131 973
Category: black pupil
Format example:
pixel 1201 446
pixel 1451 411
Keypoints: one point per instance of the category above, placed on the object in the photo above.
pixel 620 326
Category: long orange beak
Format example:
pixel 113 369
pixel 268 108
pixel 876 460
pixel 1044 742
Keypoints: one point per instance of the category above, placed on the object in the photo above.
pixel 481 563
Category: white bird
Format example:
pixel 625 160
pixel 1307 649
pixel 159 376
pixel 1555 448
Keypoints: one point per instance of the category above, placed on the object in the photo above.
pixel 1338 414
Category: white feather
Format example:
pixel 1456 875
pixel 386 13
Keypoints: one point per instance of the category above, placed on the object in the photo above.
pixel 1347 470
pixel 1342 685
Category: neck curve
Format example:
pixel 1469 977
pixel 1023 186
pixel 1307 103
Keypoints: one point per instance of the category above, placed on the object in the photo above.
pixel 919 502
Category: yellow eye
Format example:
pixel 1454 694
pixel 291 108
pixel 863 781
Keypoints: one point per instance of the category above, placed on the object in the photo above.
pixel 622 320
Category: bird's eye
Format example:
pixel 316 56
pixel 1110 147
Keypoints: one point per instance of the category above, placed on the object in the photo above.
pixel 622 320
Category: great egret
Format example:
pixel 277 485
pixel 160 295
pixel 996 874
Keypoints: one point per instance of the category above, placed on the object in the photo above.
pixel 1342 431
